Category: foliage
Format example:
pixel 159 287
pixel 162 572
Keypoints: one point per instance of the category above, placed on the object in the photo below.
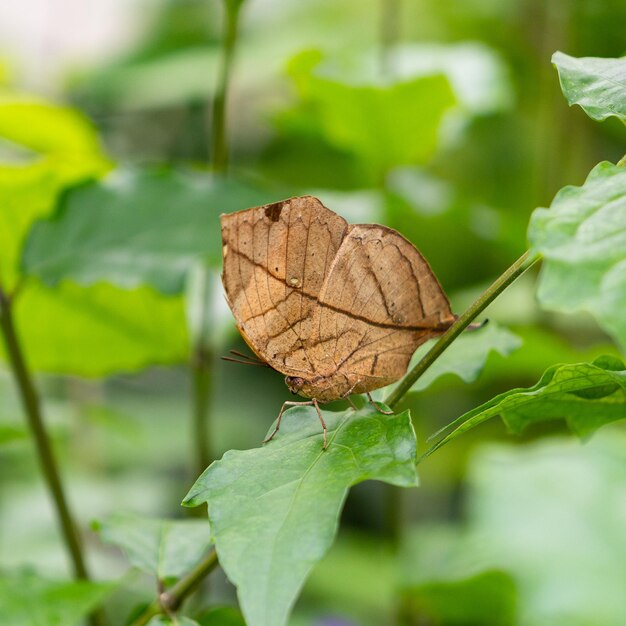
pixel 597 85
pixel 105 268
pixel 26 599
pixel 585 395
pixel 135 228
pixel 274 510
pixel 166 549
pixel 584 248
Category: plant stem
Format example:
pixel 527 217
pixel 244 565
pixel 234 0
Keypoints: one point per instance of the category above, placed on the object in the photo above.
pixel 390 11
pixel 488 296
pixel 172 599
pixel 32 408
pixel 220 150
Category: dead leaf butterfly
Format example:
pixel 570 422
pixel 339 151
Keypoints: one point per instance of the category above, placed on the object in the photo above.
pixel 337 308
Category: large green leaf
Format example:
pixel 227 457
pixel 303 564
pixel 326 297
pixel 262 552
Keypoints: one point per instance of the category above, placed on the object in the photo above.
pixel 92 331
pixel 135 228
pixel 67 151
pixel 582 238
pixel 274 510
pixel 27 600
pixel 585 395
pixel 165 548
pixel 597 85
pixel 552 515
pixel 385 124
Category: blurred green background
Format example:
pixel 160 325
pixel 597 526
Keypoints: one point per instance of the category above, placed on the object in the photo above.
pixel 443 120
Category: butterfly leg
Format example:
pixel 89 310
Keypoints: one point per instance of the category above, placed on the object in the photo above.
pixel 375 405
pixel 291 403
pixel 319 414
pixel 354 406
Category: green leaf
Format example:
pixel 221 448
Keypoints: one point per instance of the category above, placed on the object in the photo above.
pixel 222 616
pixel 27 600
pixel 274 510
pixel 9 434
pixel 97 330
pixel 552 515
pixel 69 151
pixel 164 620
pixel 166 548
pixel 585 395
pixel 597 85
pixel 48 128
pixel 485 599
pixel 386 125
pixel 582 238
pixel 134 228
pixel 467 356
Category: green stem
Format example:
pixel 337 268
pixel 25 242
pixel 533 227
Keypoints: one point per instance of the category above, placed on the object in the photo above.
pixel 202 372
pixel 390 13
pixel 219 141
pixel 170 600
pixel 488 296
pixel 32 409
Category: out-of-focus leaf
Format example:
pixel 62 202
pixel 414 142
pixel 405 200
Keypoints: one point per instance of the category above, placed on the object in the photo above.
pixel 170 79
pixel 358 573
pixel 485 599
pixel 48 128
pixel 274 510
pixel 179 620
pixel 583 242
pixel 467 356
pixel 68 151
pixel 222 616
pixel 385 123
pixel 166 548
pixel 585 395
pixel 97 330
pixel 135 228
pixel 27 600
pixel 477 74
pixel 552 515
pixel 597 85
pixel 9 434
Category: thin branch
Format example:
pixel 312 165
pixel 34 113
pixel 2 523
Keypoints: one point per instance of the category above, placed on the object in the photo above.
pixel 488 296
pixel 172 599
pixel 220 152
pixel 32 409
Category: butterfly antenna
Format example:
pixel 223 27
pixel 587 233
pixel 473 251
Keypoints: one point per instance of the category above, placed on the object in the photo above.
pixel 245 362
pixel 247 357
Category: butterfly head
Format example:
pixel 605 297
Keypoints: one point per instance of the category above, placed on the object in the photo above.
pixel 295 383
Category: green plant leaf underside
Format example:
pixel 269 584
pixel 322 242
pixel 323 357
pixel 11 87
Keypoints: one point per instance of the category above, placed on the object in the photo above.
pixel 467 356
pixel 582 238
pixel 164 548
pixel 274 510
pixel 27 600
pixel 135 228
pixel 597 85
pixel 585 395
pixel 99 329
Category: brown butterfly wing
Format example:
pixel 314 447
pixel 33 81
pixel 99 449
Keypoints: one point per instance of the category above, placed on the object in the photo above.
pixel 380 301
pixel 276 258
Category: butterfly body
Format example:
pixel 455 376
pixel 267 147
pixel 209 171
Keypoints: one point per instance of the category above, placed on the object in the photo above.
pixel 337 308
